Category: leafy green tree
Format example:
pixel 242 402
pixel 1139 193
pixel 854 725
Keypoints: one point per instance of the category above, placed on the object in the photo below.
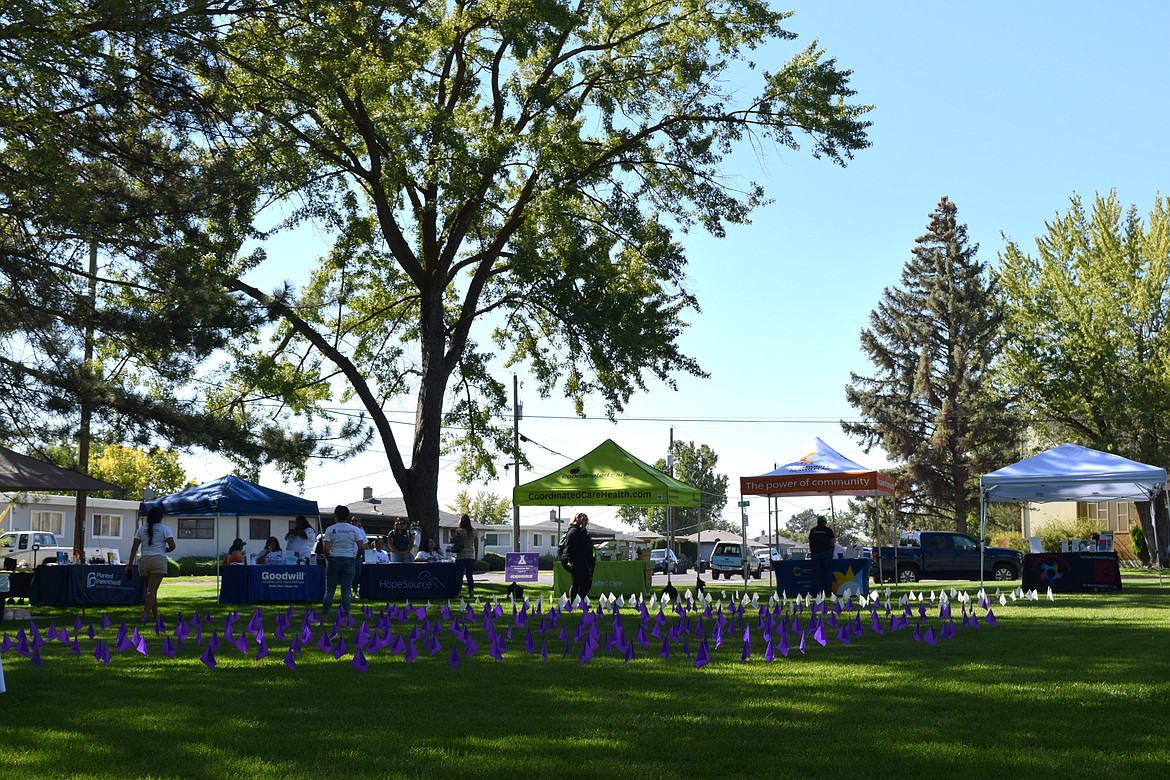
pixel 930 403
pixel 118 228
pixel 500 181
pixel 694 464
pixel 484 507
pixel 137 470
pixel 1088 342
pixel 852 527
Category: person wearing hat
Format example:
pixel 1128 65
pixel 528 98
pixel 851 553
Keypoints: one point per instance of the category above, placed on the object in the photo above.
pixel 235 553
pixel 821 543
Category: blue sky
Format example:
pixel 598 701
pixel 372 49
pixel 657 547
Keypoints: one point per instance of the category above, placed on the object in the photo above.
pixel 1007 108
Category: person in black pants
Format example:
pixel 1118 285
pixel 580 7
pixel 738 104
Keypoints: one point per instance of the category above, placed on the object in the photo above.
pixel 821 543
pixel 580 557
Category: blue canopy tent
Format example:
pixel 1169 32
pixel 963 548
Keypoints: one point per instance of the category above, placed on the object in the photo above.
pixel 231 496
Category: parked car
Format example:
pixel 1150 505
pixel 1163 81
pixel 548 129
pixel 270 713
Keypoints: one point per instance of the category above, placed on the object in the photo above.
pixel 731 558
pixel 765 558
pixel 665 561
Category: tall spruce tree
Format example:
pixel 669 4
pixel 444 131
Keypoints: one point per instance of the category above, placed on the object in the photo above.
pixel 930 404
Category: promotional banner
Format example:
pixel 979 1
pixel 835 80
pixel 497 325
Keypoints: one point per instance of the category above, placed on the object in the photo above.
pixel 1072 572
pixel 522 567
pixel 621 578
pixel 254 584
pixel 82 585
pixel 414 581
pixel 850 576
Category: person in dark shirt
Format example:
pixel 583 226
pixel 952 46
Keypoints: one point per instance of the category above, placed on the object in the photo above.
pixel 821 543
pixel 580 557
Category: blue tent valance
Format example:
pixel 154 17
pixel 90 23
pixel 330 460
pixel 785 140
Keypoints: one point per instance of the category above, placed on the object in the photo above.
pixel 231 495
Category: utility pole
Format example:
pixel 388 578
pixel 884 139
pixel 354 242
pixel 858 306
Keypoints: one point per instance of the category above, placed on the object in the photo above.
pixel 516 413
pixel 670 509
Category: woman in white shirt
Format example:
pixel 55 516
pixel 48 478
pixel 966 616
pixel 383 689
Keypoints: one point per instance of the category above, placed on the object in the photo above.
pixel 430 552
pixel 154 540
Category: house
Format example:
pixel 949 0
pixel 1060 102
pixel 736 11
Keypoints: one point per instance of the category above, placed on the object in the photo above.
pixel 110 522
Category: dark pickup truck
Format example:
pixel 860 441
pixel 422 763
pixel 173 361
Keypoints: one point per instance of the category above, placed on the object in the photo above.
pixel 942 555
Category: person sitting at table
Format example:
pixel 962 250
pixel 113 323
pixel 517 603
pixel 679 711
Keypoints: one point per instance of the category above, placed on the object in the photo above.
pixel 380 554
pixel 235 553
pixel 430 552
pixel 272 552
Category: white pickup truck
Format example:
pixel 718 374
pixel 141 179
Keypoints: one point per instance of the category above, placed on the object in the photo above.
pixel 35 548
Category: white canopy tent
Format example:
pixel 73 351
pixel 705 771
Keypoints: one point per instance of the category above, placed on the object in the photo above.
pixel 1073 473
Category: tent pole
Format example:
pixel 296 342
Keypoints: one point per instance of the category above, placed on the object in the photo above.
pixel 1154 522
pixel 982 534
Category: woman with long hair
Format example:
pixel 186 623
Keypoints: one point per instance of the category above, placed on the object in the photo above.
pixel 300 540
pixel 580 556
pixel 466 549
pixel 154 540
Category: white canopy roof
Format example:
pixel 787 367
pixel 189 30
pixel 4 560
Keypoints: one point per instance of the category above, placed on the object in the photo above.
pixel 1073 473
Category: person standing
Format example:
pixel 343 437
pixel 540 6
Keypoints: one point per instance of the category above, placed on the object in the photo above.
pixel 154 540
pixel 401 543
pixel 821 543
pixel 342 543
pixel 580 557
pixel 466 549
pixel 300 540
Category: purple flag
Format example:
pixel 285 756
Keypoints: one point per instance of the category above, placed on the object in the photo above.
pixel 341 649
pixel 76 646
pixel 168 648
pixel 105 620
pixel 6 645
pixel 453 659
pixel 290 660
pixel 411 653
pixel 213 643
pixel 35 659
pixel 930 637
pixel 819 634
pixel 261 647
pixel 843 635
pixel 802 643
pixel 241 643
pixel 918 631
pixel 323 642
pixel 544 648
pixel 90 632
pixel 703 656
pixel 97 651
pixel 784 644
pixel 208 658
pixel 359 661
pixel 989 618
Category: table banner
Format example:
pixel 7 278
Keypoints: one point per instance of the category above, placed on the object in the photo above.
pixel 413 581
pixel 621 578
pixel 1071 572
pixel 75 585
pixel 243 584
pixel 794 576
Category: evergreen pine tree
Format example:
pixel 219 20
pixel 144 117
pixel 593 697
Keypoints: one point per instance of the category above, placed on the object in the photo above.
pixel 930 404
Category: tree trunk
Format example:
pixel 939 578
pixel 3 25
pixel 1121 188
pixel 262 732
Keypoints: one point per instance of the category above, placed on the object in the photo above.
pixel 1157 545
pixel 422 494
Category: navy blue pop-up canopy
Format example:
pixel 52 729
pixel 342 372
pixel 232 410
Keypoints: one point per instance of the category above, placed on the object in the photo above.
pixel 231 495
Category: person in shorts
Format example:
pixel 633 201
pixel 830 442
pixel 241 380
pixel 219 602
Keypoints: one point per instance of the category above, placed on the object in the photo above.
pixel 152 542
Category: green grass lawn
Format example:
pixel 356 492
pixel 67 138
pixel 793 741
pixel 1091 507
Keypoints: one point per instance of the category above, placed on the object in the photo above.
pixel 1074 687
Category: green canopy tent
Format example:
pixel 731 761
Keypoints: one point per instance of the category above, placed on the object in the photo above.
pixel 607 476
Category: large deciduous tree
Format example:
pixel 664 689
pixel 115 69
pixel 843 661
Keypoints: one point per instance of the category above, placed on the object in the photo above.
pixel 502 183
pixel 521 167
pixel 1088 337
pixel 930 404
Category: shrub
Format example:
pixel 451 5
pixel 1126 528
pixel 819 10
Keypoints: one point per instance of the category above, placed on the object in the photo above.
pixel 495 561
pixel 547 561
pixel 1053 534
pixel 194 566
pixel 1011 541
pixel 1137 540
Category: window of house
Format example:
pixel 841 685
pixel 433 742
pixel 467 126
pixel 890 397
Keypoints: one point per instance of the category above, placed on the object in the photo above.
pixel 259 528
pixel 492 539
pixel 196 527
pixel 107 526
pixel 537 540
pixel 48 521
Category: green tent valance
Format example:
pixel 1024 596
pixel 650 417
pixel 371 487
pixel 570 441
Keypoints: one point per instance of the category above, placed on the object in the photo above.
pixel 607 476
